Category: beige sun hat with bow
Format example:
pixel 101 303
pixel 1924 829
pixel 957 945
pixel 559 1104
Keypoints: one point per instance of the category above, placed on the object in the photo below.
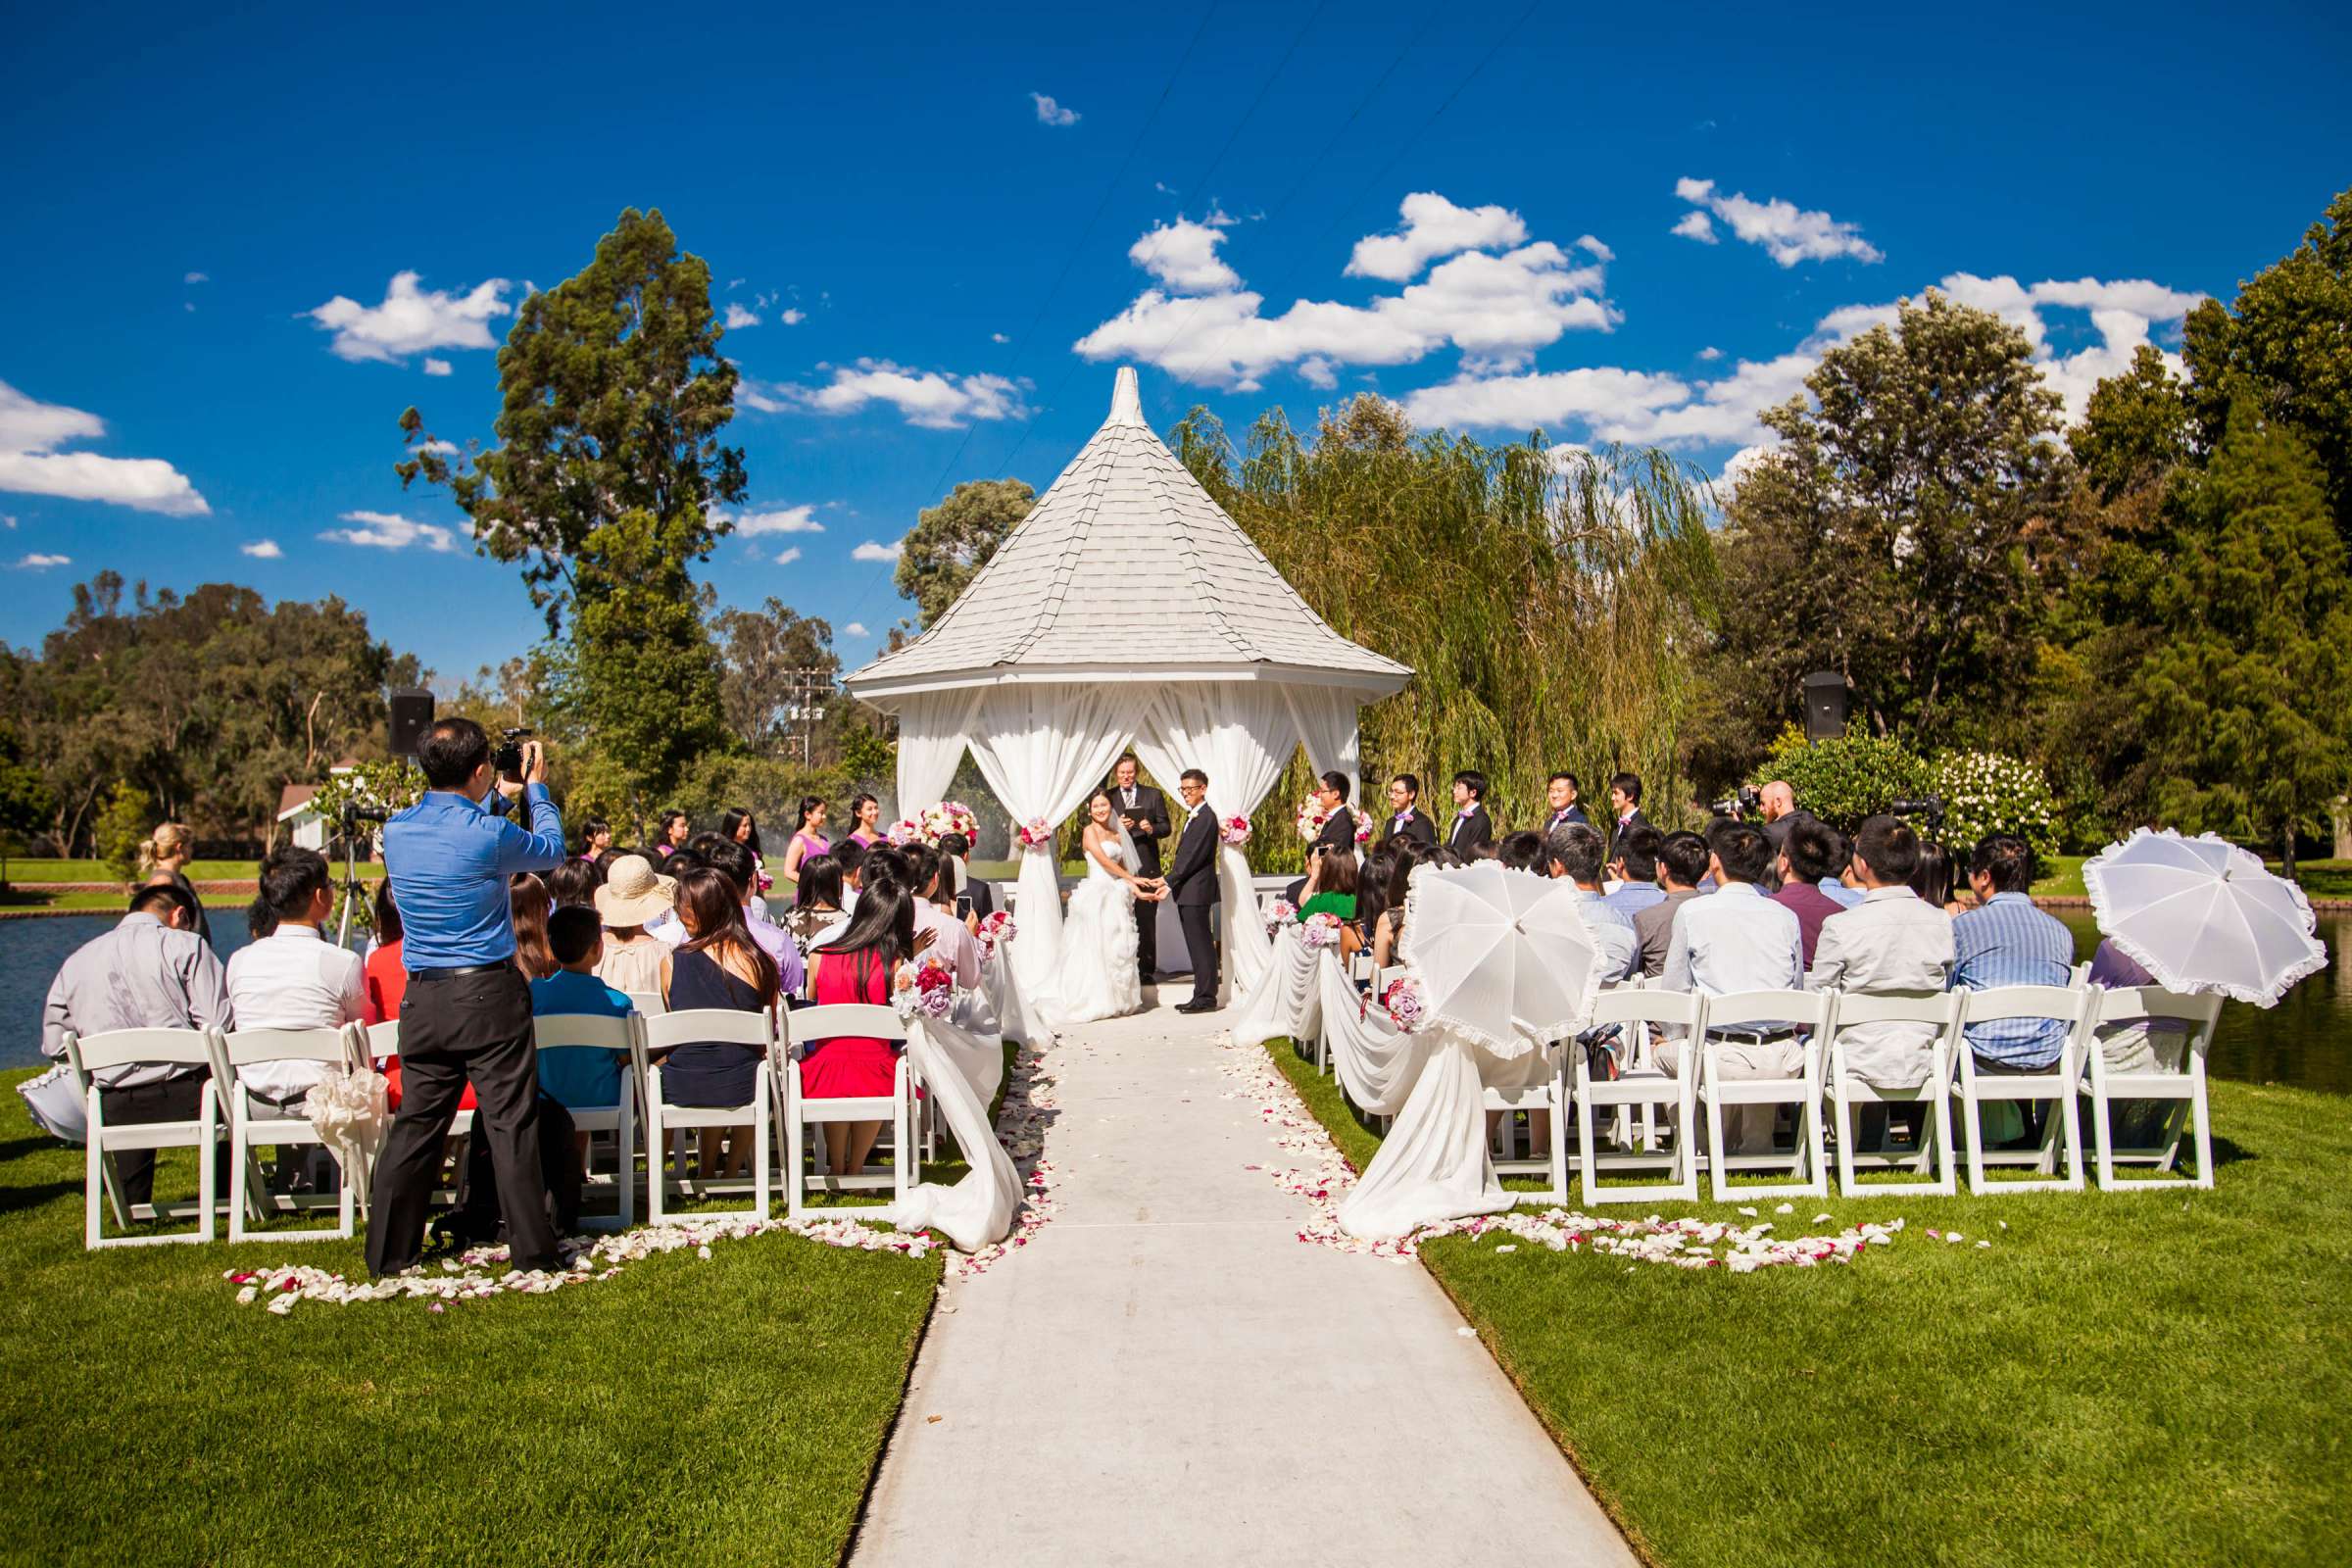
pixel 633 893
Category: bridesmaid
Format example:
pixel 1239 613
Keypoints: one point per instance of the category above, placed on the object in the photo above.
pixel 865 815
pixel 807 840
pixel 673 833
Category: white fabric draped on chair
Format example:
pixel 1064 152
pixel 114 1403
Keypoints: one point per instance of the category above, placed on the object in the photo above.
pixel 1376 1063
pixel 960 1063
pixel 1282 1004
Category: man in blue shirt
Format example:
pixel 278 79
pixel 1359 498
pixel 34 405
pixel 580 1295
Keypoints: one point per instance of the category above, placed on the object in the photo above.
pixel 2005 941
pixel 1636 868
pixel 467 1017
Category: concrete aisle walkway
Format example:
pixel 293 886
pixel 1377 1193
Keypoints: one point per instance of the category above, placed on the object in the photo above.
pixel 1167 1375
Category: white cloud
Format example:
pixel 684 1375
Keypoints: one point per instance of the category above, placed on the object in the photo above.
pixel 734 283
pixel 784 519
pixel 793 317
pixel 447 449
pixel 1710 352
pixel 855 629
pixel 30 430
pixel 1182 255
pixel 433 367
pixel 262 550
pixel 1497 310
pixel 785 557
pixel 8 519
pixel 197 277
pixel 931 399
pixel 1050 113
pixel 738 317
pixel 1600 252
pixel 1547 400
pixel 411 319
pixel 383 531
pixel 39 563
pixel 1788 233
pixel 1432 227
pixel 870 551
pixel 999 337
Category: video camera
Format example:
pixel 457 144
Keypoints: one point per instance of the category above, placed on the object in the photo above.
pixel 508 758
pixel 1928 808
pixel 1737 806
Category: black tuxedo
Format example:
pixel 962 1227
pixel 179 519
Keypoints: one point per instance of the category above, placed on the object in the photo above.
pixel 1618 831
pixel 1417 826
pixel 1151 814
pixel 1573 816
pixel 984 897
pixel 1193 884
pixel 1339 832
pixel 1470 831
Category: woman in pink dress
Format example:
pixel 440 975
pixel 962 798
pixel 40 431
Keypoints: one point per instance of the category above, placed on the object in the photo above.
pixel 862 965
pixel 672 834
pixel 807 840
pixel 865 813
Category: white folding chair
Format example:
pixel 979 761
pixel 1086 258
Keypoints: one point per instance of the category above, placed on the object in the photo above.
pixel 381 1043
pixel 2062 1131
pixel 1812 1012
pixel 1642 1084
pixel 1938 1010
pixel 560 1031
pixel 648 1003
pixel 700 1026
pixel 1547 1094
pixel 807 1026
pixel 120 1047
pixel 2183 1086
pixel 252 1122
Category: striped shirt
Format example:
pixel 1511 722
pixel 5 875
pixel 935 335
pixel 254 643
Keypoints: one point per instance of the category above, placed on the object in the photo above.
pixel 2008 942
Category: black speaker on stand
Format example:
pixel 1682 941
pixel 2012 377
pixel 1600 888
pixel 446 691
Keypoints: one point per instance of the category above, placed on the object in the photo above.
pixel 1825 705
pixel 412 716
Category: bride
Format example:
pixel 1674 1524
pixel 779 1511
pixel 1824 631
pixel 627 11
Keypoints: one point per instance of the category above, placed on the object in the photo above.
pixel 1099 977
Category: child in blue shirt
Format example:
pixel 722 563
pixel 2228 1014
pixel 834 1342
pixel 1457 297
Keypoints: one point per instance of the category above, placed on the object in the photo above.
pixel 578 1077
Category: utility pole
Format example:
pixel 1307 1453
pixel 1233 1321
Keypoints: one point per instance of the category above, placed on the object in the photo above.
pixel 811 689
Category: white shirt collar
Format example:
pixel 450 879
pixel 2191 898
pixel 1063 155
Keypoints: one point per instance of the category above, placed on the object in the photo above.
pixel 296 931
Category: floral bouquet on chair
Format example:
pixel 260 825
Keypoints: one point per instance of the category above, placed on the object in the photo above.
pixel 1321 930
pixel 994 931
pixel 1402 1000
pixel 931 994
pixel 1279 913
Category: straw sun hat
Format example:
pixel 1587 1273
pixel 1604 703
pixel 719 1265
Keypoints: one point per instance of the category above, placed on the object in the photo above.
pixel 633 894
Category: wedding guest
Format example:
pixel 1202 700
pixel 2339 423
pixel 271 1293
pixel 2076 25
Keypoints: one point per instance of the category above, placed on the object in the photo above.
pixel 667 927
pixel 632 897
pixel 1625 801
pixel 1805 860
pixel 1406 819
pixel 731 858
pixel 719 967
pixel 865 822
pixel 1388 931
pixel 672 834
pixel 1736 938
pixel 1681 863
pixel 816 902
pixel 736 823
pixel 1893 942
pixel 1560 796
pixel 573 883
pixel 530 905
pixel 1937 878
pixel 850 856
pixel 384 977
pixel 163 856
pixel 1472 827
pixel 2136 1045
pixel 151 971
pixel 1841 886
pixel 1331 884
pixel 1521 851
pixel 1372 881
pixel 595 839
pixel 1572 853
pixel 860 966
pixel 2005 941
pixel 951 940
pixel 1636 868
pixel 808 838
pixel 294 978
pixel 958 851
pixel 579 1077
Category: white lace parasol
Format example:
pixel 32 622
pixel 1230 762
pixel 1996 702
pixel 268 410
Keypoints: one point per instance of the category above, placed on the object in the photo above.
pixel 2203 915
pixel 1503 956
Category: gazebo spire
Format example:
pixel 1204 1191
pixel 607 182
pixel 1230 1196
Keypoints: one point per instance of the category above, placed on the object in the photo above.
pixel 1126 398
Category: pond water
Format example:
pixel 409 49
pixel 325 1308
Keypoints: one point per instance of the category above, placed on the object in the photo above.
pixel 2306 1039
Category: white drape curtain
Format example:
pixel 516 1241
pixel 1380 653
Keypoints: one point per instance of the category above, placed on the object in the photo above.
pixel 1282 1003
pixel 1239 734
pixel 1043 749
pixel 1326 719
pixel 933 730
pixel 961 1059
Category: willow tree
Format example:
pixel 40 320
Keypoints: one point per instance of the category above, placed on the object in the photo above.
pixel 1547 598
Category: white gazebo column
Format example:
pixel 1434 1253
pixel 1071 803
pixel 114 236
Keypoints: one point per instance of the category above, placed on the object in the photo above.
pixel 1326 717
pixel 1043 747
pixel 1237 732
pixel 933 730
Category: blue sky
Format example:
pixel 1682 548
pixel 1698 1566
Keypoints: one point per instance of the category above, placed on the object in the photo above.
pixel 953 224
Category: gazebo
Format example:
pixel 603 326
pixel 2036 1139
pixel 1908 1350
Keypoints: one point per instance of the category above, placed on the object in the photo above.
pixel 1126 608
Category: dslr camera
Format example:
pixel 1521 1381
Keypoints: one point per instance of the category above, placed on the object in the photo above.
pixel 1738 807
pixel 1928 808
pixel 508 756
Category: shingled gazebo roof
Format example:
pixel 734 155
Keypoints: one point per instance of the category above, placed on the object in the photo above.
pixel 1126 571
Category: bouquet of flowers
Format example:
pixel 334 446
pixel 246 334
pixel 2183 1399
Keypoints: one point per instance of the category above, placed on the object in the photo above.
pixel 994 931
pixel 1035 834
pixel 766 881
pixel 1402 1000
pixel 933 992
pixel 1234 830
pixel 1320 930
pixel 1311 817
pixel 905 831
pixel 1363 828
pixel 950 816
pixel 1279 913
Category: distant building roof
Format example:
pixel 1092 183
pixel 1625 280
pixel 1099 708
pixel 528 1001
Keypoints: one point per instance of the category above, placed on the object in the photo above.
pixel 294 800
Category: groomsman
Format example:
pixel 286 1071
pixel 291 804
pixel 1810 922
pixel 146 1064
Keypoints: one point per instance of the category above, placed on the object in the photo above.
pixel 1472 827
pixel 1625 800
pixel 1339 827
pixel 1406 819
pixel 1143 812
pixel 1562 794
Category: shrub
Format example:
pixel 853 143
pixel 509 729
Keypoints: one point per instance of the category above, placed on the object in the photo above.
pixel 122 827
pixel 1849 778
pixel 1986 793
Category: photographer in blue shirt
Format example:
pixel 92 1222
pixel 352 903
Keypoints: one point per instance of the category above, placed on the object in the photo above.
pixel 466 1015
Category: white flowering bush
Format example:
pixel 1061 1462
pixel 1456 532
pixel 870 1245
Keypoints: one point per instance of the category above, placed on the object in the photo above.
pixel 1985 793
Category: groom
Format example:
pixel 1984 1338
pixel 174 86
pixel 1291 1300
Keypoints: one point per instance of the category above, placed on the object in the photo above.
pixel 1193 882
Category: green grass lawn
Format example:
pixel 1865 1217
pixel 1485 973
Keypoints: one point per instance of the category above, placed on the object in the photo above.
pixel 53 870
pixel 2120 1378
pixel 16 898
pixel 685 1411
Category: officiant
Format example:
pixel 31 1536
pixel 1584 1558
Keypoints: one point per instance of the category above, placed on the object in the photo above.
pixel 1143 812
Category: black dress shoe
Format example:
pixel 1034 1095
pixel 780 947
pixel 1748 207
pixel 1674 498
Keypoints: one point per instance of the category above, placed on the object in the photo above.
pixel 1196 1006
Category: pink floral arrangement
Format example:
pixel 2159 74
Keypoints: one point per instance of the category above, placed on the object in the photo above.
pixel 1363 829
pixel 767 882
pixel 1035 834
pixel 994 931
pixel 905 831
pixel 1234 830
pixel 1402 1000
pixel 933 992
pixel 1311 817
pixel 1281 912
pixel 950 816
pixel 1320 930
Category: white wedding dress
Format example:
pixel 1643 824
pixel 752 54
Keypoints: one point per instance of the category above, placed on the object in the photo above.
pixel 1098 978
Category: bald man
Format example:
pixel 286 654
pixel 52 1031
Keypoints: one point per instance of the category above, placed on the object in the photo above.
pixel 1778 802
